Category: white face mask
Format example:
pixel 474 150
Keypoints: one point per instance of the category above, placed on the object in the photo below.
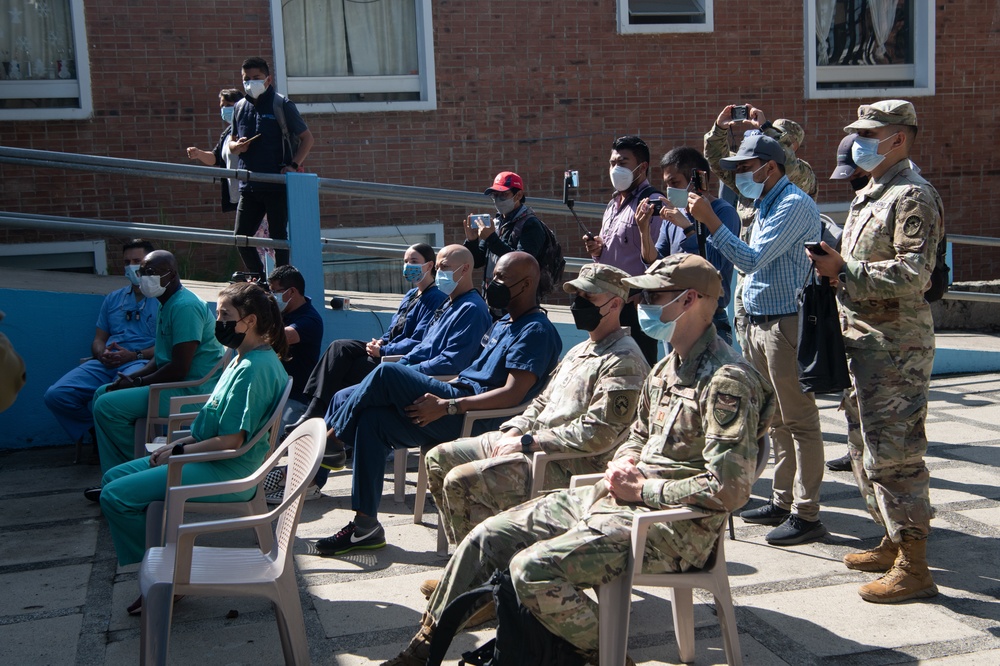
pixel 621 177
pixel 678 197
pixel 505 206
pixel 150 286
pixel 132 273
pixel 255 88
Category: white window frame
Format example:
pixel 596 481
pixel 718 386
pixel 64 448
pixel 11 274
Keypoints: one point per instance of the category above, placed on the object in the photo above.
pixel 49 89
pixel 423 83
pixel 921 71
pixel 625 28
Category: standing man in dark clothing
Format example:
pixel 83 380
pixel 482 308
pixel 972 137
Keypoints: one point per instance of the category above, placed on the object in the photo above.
pixel 260 122
pixel 620 243
pixel 515 227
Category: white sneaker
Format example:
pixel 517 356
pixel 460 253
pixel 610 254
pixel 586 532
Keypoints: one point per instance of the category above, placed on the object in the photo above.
pixel 278 496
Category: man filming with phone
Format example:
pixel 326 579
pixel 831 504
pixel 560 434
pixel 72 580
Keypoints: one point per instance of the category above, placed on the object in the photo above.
pixel 515 227
pixel 679 167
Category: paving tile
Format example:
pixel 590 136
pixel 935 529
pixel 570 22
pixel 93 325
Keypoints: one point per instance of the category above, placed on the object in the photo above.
pixel 44 589
pixel 964 484
pixel 37 545
pixel 220 643
pixel 954 432
pixel 989 516
pixel 987 658
pixel 47 508
pixel 856 625
pixel 51 641
pixel 374 605
pixel 707 652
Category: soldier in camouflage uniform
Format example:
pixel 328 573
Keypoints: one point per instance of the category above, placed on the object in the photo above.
pixel 694 443
pixel 586 408
pixel 890 243
pixel 721 141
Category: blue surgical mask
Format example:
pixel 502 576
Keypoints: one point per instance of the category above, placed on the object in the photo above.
pixel 678 197
pixel 864 152
pixel 413 273
pixel 446 282
pixel 280 300
pixel 651 324
pixel 132 273
pixel 227 114
pixel 747 186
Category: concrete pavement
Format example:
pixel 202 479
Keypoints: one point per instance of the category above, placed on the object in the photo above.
pixel 63 598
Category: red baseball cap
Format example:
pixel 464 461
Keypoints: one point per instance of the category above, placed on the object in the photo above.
pixel 504 181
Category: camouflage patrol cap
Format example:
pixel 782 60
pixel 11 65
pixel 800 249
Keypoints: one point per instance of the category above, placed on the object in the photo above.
pixel 680 271
pixel 599 279
pixel 886 112
pixel 791 132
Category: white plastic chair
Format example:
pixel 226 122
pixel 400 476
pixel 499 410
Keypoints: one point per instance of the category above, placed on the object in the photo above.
pixel 180 567
pixel 614 599
pixel 255 505
pixel 541 459
pixel 145 428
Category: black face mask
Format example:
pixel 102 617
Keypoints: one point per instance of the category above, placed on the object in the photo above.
pixel 858 183
pixel 586 315
pixel 225 332
pixel 498 295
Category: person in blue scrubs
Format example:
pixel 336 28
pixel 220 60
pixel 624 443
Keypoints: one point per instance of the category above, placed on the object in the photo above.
pixel 396 406
pixel 123 342
pixel 245 396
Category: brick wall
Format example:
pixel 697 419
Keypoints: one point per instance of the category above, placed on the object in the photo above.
pixel 533 87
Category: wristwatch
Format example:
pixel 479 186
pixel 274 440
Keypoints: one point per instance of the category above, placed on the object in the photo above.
pixel 690 230
pixel 294 165
pixel 527 441
pixel 178 450
pixel 452 407
pixel 842 276
pixel 138 355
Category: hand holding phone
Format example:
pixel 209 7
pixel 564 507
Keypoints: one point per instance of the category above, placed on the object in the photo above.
pixel 481 220
pixel 815 248
pixel 741 112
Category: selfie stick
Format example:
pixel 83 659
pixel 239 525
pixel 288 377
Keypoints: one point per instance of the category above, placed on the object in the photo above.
pixel 568 200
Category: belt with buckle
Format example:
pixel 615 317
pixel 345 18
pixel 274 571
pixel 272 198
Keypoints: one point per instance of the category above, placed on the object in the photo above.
pixel 763 319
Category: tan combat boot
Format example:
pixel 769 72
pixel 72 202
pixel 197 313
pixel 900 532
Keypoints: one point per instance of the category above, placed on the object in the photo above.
pixel 880 558
pixel 419 649
pixel 428 586
pixel 908 578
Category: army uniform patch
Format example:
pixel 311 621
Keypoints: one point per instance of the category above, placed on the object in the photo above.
pixel 914 227
pixel 620 403
pixel 726 408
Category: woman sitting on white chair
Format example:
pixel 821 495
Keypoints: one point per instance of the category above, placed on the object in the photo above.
pixel 246 395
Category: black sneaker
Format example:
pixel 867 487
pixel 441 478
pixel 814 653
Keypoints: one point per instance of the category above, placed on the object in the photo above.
pixel 769 514
pixel 349 539
pixel 93 493
pixel 335 461
pixel 794 531
pixel 842 464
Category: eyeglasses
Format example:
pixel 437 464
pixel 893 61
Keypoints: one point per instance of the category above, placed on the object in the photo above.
pixel 279 291
pixel 501 196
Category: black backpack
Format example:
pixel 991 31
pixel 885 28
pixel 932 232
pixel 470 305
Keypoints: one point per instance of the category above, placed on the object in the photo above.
pixel 551 261
pixel 289 142
pixel 939 276
pixel 521 639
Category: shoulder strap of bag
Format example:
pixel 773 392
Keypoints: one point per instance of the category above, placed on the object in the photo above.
pixel 451 618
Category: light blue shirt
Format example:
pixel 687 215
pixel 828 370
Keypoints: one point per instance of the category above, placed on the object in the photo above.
pixel 129 321
pixel 775 262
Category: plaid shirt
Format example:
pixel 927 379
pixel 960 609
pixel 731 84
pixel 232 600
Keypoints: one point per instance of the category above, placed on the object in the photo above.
pixel 775 262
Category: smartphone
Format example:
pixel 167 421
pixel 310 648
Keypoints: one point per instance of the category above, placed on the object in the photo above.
pixel 253 138
pixel 741 111
pixel 480 220
pixel 657 205
pixel 571 181
pixel 699 181
pixel 815 248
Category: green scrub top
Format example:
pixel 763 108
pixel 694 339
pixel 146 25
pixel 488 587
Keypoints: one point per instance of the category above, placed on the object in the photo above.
pixel 185 318
pixel 244 398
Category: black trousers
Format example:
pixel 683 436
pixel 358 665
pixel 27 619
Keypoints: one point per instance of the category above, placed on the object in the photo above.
pixel 344 363
pixel 650 347
pixel 249 214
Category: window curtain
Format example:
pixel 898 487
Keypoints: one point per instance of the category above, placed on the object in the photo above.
pixel 883 15
pixel 824 21
pixel 350 37
pixel 36 40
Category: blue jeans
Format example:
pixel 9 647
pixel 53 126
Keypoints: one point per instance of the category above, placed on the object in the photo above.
pixel 373 421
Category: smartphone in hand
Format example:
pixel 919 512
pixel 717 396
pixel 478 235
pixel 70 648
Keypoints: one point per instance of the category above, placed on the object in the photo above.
pixel 815 248
pixel 481 220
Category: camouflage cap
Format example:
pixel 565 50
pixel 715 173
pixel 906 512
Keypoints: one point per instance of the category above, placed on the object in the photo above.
pixel 599 279
pixel 680 271
pixel 791 132
pixel 886 112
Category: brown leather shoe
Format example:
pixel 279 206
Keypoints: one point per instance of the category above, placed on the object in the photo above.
pixel 428 586
pixel 909 577
pixel 879 559
pixel 418 650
